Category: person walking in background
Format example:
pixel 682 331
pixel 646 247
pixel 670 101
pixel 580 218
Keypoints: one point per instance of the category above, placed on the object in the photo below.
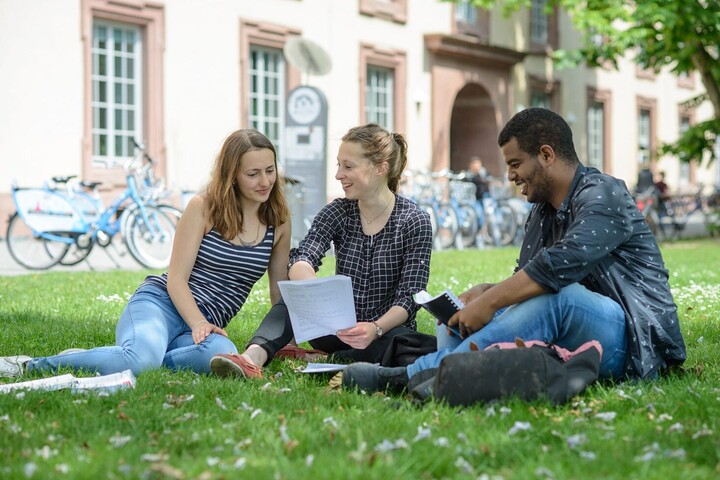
pixel 227 238
pixel 478 176
pixel 589 269
pixel 382 241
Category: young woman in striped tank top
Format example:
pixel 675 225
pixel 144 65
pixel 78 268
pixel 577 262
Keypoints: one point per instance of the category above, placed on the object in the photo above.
pixel 227 238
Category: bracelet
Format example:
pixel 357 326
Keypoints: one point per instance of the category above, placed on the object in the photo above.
pixel 197 323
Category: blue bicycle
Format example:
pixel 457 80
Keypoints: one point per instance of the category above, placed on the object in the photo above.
pixel 52 226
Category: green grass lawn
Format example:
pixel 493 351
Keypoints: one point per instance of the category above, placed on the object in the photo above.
pixel 181 425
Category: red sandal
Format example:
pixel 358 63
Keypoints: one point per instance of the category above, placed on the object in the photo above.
pixel 234 365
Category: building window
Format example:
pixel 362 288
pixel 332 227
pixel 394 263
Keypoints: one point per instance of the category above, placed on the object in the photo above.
pixel 538 22
pixel 544 93
pixel 465 12
pixel 266 79
pixel 379 92
pixel 596 135
pixel 266 111
pixel 598 129
pixel 382 87
pixel 122 85
pixel 116 92
pixel 644 138
pixel 540 99
pixel 470 20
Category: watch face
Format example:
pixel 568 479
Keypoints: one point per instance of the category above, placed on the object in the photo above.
pixel 304 105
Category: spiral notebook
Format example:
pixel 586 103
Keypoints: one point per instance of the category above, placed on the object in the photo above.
pixel 442 306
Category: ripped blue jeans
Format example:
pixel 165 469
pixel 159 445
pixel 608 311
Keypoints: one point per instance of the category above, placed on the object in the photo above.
pixel 150 334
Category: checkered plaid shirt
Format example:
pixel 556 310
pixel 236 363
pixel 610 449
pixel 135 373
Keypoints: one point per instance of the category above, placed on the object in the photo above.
pixel 387 268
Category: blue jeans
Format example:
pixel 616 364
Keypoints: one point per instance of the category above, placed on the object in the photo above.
pixel 150 334
pixel 568 319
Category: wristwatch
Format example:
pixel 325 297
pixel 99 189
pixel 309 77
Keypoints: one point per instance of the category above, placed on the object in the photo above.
pixel 378 330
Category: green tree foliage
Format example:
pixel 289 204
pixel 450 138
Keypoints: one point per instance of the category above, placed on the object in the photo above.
pixel 680 35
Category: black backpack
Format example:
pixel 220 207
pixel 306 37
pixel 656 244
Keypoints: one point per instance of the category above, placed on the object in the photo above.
pixel 528 371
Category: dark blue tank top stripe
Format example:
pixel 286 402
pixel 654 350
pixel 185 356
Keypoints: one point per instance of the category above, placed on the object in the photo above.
pixel 224 274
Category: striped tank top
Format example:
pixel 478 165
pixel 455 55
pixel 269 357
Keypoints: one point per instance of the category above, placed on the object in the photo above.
pixel 223 275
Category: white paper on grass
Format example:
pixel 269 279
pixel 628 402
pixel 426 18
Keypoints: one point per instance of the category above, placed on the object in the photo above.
pixel 323 367
pixel 320 306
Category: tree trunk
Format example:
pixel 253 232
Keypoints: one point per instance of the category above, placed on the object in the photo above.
pixel 703 61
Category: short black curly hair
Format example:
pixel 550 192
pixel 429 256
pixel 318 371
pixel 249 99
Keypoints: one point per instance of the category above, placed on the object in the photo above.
pixel 535 127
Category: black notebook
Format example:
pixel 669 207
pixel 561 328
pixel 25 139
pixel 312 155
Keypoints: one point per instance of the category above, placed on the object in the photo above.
pixel 442 306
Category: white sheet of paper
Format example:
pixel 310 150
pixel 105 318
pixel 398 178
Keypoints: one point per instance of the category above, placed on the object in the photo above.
pixel 57 382
pixel 323 367
pixel 319 307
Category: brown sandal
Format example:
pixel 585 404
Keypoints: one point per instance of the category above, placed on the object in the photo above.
pixel 291 351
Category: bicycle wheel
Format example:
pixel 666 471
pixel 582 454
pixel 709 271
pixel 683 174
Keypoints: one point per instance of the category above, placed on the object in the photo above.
pixel 32 250
pixel 75 254
pixel 433 217
pixel 468 225
pixel 149 237
pixel 447 225
pixel 173 214
pixel 507 224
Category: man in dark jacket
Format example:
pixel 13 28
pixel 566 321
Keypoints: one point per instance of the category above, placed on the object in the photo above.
pixel 589 269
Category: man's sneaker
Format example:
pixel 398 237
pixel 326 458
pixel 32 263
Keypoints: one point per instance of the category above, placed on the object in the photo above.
pixel 234 365
pixel 72 350
pixel 374 378
pixel 13 366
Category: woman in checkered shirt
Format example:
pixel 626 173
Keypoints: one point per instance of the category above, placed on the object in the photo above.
pixel 382 241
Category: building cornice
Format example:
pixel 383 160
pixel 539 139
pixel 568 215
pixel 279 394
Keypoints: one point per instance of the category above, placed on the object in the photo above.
pixel 471 49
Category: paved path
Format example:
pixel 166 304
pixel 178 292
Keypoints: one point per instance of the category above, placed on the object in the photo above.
pixel 100 259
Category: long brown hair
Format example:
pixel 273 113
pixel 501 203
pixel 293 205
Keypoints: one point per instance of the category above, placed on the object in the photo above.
pixel 380 146
pixel 224 199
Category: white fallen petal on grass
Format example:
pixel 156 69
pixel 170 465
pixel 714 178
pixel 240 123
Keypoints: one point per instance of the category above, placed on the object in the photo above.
pixel 309 460
pixel 676 427
pixel 588 455
pixel 680 454
pixel 422 433
pixel 62 468
pixel 606 416
pixel 212 461
pixel 442 442
pixel 241 445
pixel 220 403
pixel 118 441
pixel 464 465
pixel 255 413
pixel 330 421
pixel 574 441
pixel 519 427
pixel 240 463
pixel 505 411
pixel 622 394
pixel 283 434
pixel 29 469
pixel 154 457
pixel 46 452
pixel 386 445
pixel 704 432
pixel 544 472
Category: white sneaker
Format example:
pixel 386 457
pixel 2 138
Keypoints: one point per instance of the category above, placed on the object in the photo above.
pixel 72 350
pixel 13 366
